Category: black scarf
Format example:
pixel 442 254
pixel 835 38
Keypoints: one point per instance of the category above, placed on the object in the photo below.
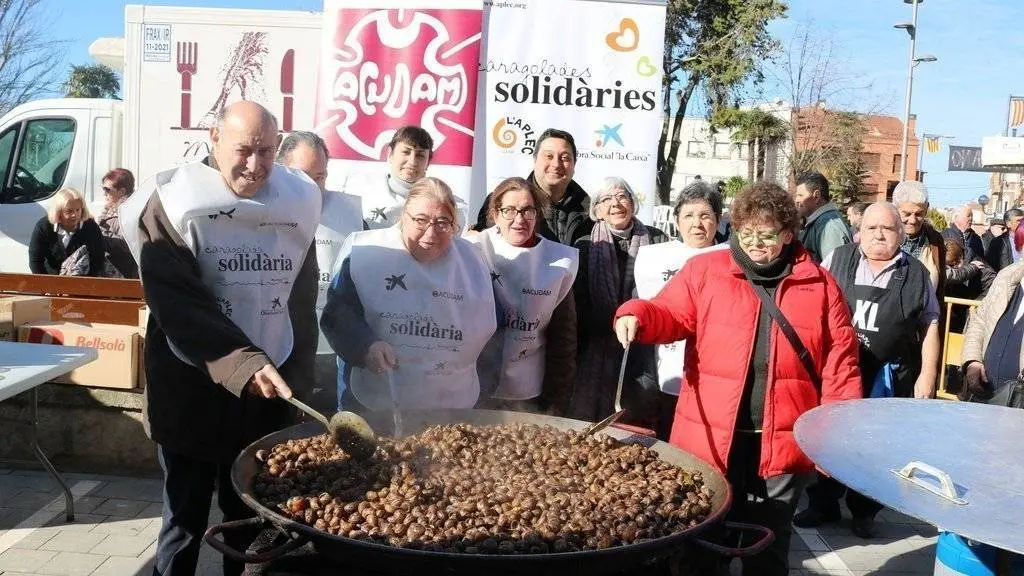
pixel 771 272
pixel 751 411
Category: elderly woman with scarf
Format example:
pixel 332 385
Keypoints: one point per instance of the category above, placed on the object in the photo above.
pixel 605 280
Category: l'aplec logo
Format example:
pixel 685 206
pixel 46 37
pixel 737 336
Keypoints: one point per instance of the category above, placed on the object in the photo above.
pixel 512 133
pixel 391 68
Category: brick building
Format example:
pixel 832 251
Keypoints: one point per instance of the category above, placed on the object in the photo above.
pixel 881 145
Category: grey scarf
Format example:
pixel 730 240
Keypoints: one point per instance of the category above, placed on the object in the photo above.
pixel 594 396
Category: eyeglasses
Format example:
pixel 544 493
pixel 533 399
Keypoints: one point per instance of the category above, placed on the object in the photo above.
pixel 510 212
pixel 442 225
pixel 752 238
pixel 623 199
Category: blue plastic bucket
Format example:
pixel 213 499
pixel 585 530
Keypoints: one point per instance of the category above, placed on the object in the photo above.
pixel 956 556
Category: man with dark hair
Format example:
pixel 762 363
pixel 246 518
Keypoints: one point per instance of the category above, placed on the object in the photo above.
pixel 1001 251
pixel 823 230
pixel 554 163
pixel 409 155
pixel 341 215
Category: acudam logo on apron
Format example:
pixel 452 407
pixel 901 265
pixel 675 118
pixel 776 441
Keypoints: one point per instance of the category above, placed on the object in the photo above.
pixel 389 68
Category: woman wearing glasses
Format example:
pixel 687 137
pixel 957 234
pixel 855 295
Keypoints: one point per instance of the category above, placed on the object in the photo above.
pixel 698 211
pixel 605 280
pixel 412 302
pixel 530 363
pixel 744 383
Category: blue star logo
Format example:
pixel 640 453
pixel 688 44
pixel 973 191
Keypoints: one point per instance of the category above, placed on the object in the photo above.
pixel 609 133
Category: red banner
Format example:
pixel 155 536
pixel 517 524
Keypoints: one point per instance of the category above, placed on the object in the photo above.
pixel 383 69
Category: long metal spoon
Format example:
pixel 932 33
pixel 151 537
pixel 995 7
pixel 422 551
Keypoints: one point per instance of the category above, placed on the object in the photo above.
pixel 351 432
pixel 396 412
pixel 598 426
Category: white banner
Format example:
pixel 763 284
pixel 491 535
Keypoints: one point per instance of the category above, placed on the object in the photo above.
pixel 589 67
pixel 388 63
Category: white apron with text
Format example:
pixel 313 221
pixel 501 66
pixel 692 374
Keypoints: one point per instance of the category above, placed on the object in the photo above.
pixel 341 216
pixel 656 264
pixel 437 317
pixel 529 283
pixel 382 208
pixel 249 250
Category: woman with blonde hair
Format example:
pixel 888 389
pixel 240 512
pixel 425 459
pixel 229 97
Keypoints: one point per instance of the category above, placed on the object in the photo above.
pixel 412 302
pixel 67 240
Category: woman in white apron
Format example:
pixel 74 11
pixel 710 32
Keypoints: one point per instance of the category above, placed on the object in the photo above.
pixel 412 302
pixel 697 212
pixel 530 362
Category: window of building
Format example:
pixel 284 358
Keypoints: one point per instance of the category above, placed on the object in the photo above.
pixel 744 150
pixel 695 149
pixel 871 161
pixel 896 161
pixel 723 150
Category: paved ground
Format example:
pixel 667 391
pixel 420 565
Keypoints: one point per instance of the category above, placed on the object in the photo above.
pixel 118 520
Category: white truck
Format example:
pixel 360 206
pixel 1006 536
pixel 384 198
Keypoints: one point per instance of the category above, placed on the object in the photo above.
pixel 179 66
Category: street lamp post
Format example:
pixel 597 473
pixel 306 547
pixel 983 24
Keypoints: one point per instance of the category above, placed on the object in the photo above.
pixel 920 149
pixel 911 29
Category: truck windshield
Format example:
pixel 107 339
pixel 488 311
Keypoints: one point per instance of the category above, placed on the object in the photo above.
pixel 41 160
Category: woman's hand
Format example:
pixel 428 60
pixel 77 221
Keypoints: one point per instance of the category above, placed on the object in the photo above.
pixel 625 330
pixel 380 357
pixel 975 383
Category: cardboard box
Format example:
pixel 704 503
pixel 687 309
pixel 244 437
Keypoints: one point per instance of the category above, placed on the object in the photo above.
pixel 118 346
pixel 18 310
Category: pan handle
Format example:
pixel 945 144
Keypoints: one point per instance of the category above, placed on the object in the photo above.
pixel 767 537
pixel 249 557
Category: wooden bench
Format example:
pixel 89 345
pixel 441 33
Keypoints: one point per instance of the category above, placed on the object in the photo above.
pixel 80 298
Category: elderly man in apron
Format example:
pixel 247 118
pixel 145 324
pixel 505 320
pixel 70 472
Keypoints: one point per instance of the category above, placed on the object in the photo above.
pixel 896 316
pixel 341 215
pixel 224 251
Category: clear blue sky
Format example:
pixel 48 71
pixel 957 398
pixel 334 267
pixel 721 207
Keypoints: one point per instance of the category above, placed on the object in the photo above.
pixel 964 94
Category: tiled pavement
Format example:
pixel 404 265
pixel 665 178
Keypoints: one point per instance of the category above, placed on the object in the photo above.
pixel 117 520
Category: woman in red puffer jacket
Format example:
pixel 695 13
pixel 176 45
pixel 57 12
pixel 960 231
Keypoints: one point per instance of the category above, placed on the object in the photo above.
pixel 744 384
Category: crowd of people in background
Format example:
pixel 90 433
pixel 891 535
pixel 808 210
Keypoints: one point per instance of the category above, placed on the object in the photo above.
pixel 756 312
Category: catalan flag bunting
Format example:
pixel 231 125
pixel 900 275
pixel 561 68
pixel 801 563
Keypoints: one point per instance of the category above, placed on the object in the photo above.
pixel 1016 111
pixel 933 144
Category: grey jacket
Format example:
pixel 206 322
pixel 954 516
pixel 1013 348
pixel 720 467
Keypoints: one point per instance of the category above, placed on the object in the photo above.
pixel 983 319
pixel 824 231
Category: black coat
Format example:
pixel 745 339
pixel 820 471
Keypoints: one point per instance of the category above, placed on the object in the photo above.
pixel 566 221
pixel 969 241
pixel 46 253
pixel 641 389
pixel 1000 253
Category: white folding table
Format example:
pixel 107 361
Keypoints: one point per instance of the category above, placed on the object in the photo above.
pixel 23 367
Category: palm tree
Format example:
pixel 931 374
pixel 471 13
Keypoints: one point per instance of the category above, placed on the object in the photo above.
pixel 758 130
pixel 95 81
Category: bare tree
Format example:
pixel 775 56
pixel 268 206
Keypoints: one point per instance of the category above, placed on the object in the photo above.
pixel 829 100
pixel 29 58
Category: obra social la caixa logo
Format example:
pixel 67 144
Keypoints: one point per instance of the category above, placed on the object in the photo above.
pixel 390 68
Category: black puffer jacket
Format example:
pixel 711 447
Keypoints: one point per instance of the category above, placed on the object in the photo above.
pixel 566 221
